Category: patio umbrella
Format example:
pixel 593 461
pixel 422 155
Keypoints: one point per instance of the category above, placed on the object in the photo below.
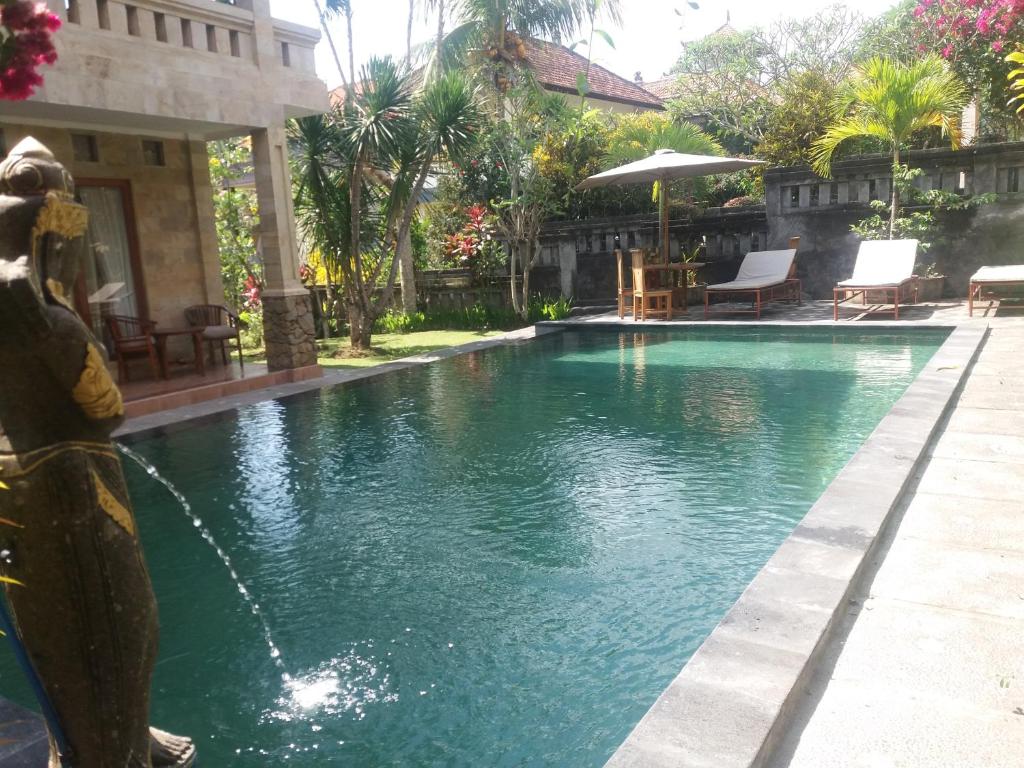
pixel 664 166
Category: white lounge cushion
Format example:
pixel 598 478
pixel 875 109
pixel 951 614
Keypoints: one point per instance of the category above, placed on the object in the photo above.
pixel 760 269
pixel 1007 274
pixel 883 262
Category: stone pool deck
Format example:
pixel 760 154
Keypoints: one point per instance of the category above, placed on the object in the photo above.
pixel 927 668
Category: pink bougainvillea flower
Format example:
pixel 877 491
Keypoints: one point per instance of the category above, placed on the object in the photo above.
pixel 27 28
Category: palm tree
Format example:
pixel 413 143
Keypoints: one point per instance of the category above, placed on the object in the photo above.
pixel 489 35
pixel 321 198
pixel 359 174
pixel 892 101
pixel 343 7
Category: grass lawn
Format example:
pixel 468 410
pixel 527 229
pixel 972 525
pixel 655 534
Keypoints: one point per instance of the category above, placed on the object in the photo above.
pixel 336 353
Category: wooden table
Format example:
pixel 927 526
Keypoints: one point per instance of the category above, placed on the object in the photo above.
pixel 162 336
pixel 675 271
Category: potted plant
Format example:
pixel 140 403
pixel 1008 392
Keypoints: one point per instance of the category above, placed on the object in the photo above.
pixel 928 281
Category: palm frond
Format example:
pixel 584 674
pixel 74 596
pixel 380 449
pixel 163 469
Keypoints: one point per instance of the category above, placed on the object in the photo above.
pixel 823 150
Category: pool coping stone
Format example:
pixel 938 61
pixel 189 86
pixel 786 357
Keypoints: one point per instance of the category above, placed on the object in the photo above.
pixel 719 711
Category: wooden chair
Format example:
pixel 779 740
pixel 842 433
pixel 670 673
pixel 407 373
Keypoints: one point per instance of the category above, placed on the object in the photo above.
pixel 624 292
pixel 656 302
pixel 132 337
pixel 220 325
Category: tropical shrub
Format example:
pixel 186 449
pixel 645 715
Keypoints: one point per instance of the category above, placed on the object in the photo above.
pixel 479 317
pixel 974 36
pixel 236 219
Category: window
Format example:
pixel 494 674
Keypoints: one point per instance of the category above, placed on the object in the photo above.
pixel 794 197
pixel 236 48
pixel 74 16
pixel 186 33
pixel 160 21
pixel 103 13
pixel 815 193
pixel 853 186
pixel 833 193
pixel 153 152
pixel 286 55
pixel 872 190
pixel 3 144
pixel 133 21
pixel 211 38
pixel 1013 179
pixel 85 148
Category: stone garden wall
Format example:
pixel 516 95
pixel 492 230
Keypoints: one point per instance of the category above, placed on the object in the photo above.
pixel 820 212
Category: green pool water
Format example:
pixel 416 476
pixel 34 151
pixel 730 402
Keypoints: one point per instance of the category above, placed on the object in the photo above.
pixel 500 559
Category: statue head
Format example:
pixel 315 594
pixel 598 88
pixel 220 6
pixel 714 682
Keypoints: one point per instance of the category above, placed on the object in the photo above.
pixel 40 218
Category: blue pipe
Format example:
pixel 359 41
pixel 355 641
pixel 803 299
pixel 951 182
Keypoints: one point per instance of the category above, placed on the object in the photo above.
pixel 49 713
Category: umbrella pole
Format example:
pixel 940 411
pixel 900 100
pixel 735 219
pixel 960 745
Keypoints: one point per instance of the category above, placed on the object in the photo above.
pixel 663 223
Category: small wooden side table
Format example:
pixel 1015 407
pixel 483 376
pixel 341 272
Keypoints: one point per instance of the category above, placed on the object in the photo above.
pixel 163 335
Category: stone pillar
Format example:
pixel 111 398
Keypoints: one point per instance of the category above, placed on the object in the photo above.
pixel 287 309
pixel 264 46
pixel 566 250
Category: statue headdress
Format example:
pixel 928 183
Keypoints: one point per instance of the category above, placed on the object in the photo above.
pixel 31 177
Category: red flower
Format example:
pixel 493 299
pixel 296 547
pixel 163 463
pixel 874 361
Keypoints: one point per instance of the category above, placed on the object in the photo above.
pixel 252 292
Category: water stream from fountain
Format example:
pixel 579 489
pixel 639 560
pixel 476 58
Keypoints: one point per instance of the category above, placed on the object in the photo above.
pixel 197 522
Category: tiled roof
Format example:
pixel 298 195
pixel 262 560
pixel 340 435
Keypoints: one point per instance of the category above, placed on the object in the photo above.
pixel 556 67
pixel 666 88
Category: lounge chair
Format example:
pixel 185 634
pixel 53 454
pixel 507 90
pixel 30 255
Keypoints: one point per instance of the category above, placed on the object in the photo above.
pixel 985 280
pixel 764 276
pixel 883 267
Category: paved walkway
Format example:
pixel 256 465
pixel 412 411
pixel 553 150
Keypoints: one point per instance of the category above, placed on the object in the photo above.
pixel 928 670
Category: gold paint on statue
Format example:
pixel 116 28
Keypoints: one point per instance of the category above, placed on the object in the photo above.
pixel 115 509
pixel 24 464
pixel 57 292
pixel 59 216
pixel 96 393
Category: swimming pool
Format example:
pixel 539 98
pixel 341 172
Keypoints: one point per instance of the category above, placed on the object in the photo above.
pixel 498 559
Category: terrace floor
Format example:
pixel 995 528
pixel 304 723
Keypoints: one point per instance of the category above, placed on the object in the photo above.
pixel 185 387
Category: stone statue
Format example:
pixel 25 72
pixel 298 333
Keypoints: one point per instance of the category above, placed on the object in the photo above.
pixel 85 614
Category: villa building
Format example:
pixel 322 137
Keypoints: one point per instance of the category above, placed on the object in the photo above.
pixel 138 90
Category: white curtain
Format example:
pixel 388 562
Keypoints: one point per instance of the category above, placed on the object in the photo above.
pixel 108 270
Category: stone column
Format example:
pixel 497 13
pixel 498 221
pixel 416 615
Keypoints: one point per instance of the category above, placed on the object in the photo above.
pixel 566 250
pixel 287 310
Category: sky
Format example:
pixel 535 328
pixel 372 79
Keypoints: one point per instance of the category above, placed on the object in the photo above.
pixel 647 42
